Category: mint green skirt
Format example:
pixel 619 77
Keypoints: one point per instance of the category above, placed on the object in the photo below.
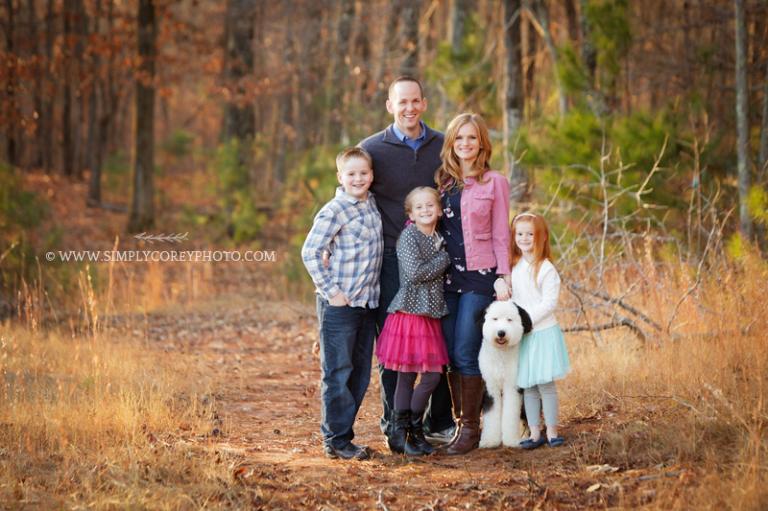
pixel 543 357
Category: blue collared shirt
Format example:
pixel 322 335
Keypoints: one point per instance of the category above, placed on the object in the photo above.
pixel 350 230
pixel 413 143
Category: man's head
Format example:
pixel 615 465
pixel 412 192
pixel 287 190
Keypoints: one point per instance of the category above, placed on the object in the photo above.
pixel 354 169
pixel 406 103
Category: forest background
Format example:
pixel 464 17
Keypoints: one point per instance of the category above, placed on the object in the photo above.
pixel 640 129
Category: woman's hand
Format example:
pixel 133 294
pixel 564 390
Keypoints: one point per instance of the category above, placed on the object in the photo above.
pixel 502 290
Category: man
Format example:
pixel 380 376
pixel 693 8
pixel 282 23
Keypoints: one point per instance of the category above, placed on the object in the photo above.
pixel 405 155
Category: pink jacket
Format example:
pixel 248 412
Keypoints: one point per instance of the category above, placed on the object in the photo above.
pixel 485 222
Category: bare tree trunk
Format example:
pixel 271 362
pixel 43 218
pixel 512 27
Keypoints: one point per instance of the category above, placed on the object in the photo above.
pixel 282 121
pixel 382 63
pixel 573 20
pixel 78 105
pixel 530 50
pixel 457 18
pixel 588 52
pixel 513 95
pixel 94 137
pixel 46 118
pixel 308 86
pixel 360 56
pixel 37 151
pixel 109 92
pixel 142 206
pixel 298 79
pixel 513 69
pixel 68 154
pixel 240 109
pixel 763 158
pixel 542 13
pixel 263 102
pixel 409 37
pixel 742 120
pixel 338 71
pixel 429 35
pixel 11 114
pixel 239 115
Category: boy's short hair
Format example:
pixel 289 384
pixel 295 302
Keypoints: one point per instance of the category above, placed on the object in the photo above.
pixel 405 78
pixel 353 152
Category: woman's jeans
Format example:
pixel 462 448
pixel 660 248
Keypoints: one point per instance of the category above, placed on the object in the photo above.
pixel 346 348
pixel 463 330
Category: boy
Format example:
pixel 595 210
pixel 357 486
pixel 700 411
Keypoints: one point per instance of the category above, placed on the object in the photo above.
pixel 349 228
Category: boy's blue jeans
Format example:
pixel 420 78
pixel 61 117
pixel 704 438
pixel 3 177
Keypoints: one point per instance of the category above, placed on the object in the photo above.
pixel 346 348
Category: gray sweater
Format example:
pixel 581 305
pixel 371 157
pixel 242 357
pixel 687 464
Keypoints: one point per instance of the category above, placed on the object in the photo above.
pixel 398 169
pixel 422 266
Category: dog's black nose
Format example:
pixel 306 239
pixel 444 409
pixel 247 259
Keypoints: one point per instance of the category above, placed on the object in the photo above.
pixel 501 333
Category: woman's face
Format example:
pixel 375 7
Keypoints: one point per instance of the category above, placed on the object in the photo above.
pixel 467 143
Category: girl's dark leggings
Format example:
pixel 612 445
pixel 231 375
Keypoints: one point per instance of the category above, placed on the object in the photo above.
pixel 415 399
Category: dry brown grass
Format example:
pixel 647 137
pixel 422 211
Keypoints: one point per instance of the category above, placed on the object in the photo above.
pixel 96 413
pixel 696 398
pixel 93 415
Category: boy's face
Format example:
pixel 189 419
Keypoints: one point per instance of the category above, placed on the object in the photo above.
pixel 356 177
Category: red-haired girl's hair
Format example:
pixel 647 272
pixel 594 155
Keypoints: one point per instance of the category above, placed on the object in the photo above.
pixel 541 250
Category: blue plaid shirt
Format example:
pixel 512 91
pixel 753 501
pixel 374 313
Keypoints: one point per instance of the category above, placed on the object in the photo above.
pixel 350 230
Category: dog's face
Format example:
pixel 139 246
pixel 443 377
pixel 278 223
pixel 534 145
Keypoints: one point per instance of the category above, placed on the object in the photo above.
pixel 505 323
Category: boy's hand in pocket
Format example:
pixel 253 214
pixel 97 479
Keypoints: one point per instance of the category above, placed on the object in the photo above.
pixel 339 300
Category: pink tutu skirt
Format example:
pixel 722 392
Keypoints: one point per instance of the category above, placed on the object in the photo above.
pixel 411 343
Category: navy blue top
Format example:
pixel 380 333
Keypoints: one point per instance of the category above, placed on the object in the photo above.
pixel 398 169
pixel 458 279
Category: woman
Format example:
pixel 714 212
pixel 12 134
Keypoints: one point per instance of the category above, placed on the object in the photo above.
pixel 475 226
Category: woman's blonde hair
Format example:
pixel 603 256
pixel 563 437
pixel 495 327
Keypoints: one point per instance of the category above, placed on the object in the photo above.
pixel 450 173
pixel 541 250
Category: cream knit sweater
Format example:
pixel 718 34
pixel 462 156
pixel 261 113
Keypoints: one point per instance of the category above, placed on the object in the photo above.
pixel 539 301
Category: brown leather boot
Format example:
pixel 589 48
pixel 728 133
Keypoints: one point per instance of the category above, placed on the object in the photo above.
pixel 469 426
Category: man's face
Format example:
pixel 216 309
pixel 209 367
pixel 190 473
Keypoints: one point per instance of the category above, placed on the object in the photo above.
pixel 406 106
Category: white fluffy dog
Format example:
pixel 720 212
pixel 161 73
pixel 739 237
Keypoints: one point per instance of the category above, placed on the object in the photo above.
pixel 503 326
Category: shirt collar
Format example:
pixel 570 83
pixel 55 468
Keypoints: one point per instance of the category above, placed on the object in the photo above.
pixel 341 194
pixel 402 137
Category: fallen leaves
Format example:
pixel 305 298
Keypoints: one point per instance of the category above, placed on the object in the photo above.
pixel 594 487
pixel 601 469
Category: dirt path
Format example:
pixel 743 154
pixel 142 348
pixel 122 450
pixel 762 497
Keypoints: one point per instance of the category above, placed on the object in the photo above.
pixel 264 377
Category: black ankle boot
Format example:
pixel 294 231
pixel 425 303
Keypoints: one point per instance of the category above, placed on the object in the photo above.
pixel 398 441
pixel 417 434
